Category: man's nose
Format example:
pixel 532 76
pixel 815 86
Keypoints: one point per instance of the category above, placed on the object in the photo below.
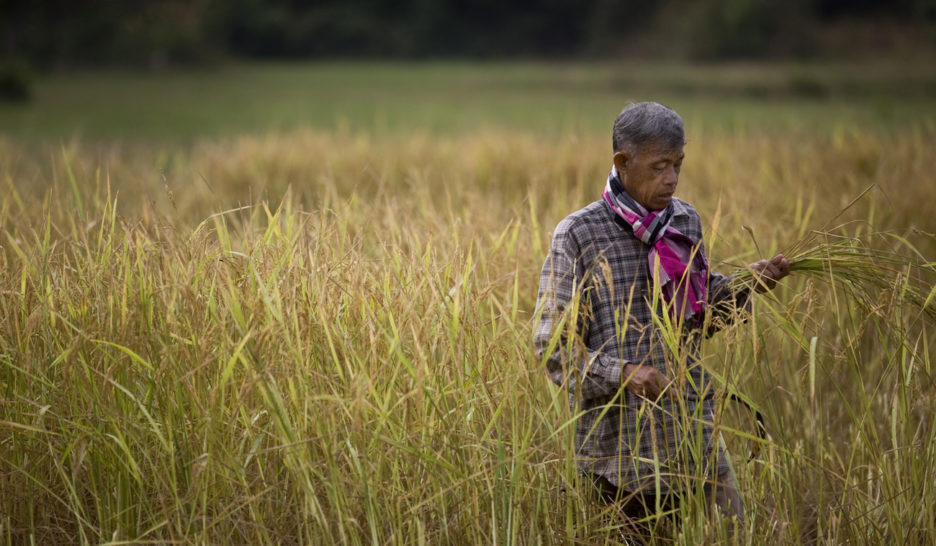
pixel 672 176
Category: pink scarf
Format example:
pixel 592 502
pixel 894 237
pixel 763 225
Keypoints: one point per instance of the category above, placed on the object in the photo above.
pixel 683 271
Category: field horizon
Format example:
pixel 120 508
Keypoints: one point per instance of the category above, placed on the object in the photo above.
pixel 183 105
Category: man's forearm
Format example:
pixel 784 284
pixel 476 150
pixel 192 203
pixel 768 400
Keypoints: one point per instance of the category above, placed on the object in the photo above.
pixel 588 375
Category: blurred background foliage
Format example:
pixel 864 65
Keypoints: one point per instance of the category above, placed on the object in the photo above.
pixel 56 33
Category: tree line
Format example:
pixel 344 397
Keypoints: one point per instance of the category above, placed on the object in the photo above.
pixel 50 33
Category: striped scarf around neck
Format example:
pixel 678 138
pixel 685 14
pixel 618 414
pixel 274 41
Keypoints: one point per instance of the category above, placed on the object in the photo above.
pixel 684 293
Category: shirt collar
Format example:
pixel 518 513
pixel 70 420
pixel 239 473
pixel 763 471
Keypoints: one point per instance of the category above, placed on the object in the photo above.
pixel 680 207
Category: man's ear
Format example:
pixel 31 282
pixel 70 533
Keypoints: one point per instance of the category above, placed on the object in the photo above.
pixel 621 161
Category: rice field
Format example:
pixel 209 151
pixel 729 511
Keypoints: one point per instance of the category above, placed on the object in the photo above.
pixel 322 334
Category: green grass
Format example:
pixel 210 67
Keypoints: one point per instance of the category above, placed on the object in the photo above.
pixel 323 337
pixel 556 98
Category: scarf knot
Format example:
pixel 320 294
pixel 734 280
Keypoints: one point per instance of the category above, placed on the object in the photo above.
pixel 683 272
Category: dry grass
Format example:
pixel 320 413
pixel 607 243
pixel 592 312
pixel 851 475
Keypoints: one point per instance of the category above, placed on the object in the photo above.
pixel 318 338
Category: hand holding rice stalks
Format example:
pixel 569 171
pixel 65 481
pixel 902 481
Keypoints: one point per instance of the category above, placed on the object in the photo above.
pixel 864 271
pixel 878 273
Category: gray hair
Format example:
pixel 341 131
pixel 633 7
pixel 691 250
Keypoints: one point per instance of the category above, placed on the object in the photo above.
pixel 647 123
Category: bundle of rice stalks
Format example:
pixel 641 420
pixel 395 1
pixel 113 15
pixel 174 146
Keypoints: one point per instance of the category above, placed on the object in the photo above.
pixel 865 268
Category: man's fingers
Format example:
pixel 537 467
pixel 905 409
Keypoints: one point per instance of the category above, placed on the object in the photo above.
pixel 768 272
pixel 775 268
pixel 782 266
pixel 648 382
pixel 772 272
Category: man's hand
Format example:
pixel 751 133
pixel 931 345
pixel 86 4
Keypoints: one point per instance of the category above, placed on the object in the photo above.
pixel 768 272
pixel 645 381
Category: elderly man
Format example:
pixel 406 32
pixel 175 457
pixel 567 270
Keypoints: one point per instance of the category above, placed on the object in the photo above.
pixel 625 295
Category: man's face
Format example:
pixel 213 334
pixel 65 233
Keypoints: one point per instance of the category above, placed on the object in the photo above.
pixel 650 176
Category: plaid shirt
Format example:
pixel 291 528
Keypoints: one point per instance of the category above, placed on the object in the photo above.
pixel 595 315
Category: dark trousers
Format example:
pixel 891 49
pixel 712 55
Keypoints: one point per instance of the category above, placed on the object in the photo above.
pixel 633 505
pixel 723 493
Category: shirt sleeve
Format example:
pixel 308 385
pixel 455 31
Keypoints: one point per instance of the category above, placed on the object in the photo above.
pixel 725 302
pixel 561 328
